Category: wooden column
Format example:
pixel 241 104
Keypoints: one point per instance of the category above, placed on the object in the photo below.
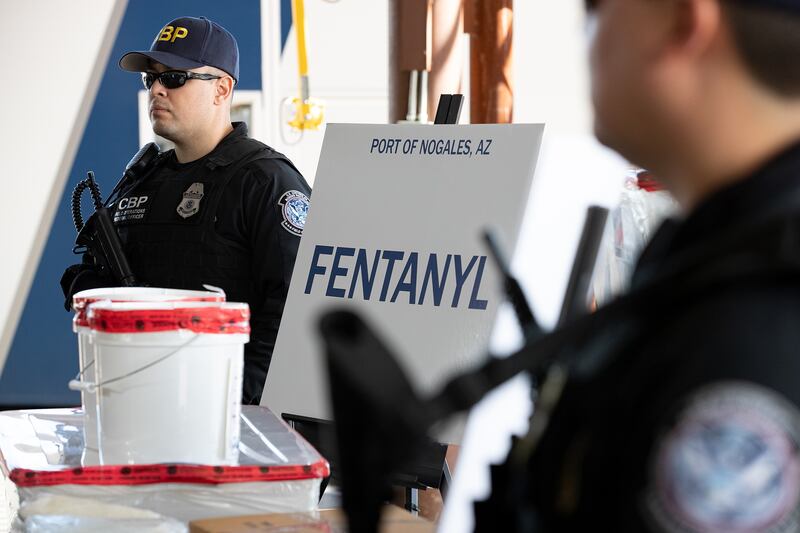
pixel 490 25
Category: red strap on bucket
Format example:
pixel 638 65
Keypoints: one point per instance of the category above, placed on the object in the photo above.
pixel 199 319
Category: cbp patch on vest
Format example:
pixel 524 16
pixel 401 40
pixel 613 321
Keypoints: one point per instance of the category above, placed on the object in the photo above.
pixel 190 204
pixel 294 206
pixel 730 463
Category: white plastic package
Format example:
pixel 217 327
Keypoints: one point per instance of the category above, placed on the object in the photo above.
pixel 80 524
pixel 642 208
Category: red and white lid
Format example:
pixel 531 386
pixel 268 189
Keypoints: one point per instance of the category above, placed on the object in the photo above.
pixel 81 300
pixel 155 317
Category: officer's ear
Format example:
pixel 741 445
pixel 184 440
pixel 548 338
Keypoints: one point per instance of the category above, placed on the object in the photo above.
pixel 224 89
pixel 692 27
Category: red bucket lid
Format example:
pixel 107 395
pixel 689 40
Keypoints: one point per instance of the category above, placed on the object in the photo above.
pixel 154 317
pixel 81 300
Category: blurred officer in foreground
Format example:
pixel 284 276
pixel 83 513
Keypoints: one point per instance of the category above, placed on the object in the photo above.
pixel 220 208
pixel 694 424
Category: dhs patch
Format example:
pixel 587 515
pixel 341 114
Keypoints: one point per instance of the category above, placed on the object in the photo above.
pixel 730 463
pixel 294 207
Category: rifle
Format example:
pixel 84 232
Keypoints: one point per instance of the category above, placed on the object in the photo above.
pixel 97 238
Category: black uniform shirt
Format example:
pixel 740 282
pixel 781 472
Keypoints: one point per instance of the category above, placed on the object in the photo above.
pixel 231 219
pixel 695 425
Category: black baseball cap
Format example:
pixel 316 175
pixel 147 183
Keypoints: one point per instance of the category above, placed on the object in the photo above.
pixel 188 42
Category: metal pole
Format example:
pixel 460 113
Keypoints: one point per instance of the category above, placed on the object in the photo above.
pixel 409 50
pixel 413 88
pixel 412 501
pixel 423 97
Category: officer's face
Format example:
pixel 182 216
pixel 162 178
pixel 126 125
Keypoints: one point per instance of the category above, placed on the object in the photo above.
pixel 182 113
pixel 626 39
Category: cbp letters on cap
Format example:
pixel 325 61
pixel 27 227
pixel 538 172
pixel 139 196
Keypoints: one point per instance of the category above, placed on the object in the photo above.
pixel 170 33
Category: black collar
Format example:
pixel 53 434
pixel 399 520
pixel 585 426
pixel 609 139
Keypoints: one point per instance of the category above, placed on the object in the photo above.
pixel 239 132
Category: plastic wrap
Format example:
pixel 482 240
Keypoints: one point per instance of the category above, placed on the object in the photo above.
pixel 62 514
pixel 188 501
pixel 42 454
pixel 9 503
pixel 82 524
pixel 45 447
pixel 642 208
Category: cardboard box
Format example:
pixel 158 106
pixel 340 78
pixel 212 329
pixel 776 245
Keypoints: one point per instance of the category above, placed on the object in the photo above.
pixel 394 520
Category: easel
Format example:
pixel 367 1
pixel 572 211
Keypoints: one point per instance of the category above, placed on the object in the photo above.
pixel 429 471
pixel 434 459
pixel 448 110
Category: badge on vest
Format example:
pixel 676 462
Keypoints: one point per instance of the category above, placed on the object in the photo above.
pixel 190 204
pixel 294 206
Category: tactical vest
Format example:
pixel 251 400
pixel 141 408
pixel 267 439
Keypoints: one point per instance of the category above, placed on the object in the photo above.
pixel 167 224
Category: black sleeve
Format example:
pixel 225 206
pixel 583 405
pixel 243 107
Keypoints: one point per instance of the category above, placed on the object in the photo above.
pixel 80 277
pixel 273 236
pixel 744 335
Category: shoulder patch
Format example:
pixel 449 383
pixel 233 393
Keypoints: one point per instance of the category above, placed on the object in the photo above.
pixel 730 463
pixel 294 207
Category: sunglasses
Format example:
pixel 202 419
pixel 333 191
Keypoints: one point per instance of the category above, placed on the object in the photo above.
pixel 172 79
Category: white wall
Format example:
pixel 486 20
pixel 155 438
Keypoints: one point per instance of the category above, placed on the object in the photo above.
pixel 44 115
pixel 550 68
pixel 348 53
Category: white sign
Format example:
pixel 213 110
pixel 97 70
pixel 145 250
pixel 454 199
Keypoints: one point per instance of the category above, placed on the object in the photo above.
pixel 394 233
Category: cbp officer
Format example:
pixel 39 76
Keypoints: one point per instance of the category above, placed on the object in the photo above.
pixel 687 416
pixel 220 208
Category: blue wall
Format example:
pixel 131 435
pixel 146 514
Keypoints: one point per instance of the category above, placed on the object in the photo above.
pixel 43 355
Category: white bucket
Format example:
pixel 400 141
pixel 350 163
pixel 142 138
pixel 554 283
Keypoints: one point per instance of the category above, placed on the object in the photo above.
pixel 169 380
pixel 80 325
